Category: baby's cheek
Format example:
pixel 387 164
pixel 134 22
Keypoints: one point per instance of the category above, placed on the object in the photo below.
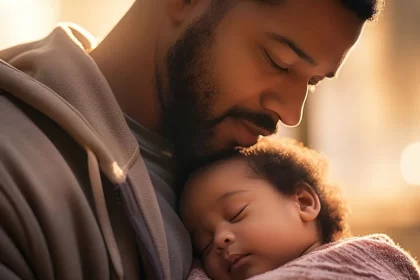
pixel 213 268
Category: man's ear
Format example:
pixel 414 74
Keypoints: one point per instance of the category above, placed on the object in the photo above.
pixel 181 10
pixel 308 202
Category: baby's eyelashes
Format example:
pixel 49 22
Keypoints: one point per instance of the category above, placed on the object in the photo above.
pixel 207 248
pixel 238 215
pixel 201 245
pixel 203 241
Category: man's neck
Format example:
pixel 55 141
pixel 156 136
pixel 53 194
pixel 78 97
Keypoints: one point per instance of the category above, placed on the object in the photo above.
pixel 126 57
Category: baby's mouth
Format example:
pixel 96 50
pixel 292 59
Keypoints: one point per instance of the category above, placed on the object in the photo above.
pixel 235 261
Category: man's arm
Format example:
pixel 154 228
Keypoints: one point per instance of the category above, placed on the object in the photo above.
pixel 48 227
pixel 7 274
pixel 18 234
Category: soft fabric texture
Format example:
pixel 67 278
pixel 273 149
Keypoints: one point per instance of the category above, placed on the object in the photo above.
pixel 373 257
pixel 76 199
pixel 157 155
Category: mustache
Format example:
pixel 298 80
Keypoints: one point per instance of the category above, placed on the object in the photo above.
pixel 260 120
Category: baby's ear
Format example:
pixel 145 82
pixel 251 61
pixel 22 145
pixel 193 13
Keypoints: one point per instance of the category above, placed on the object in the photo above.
pixel 308 202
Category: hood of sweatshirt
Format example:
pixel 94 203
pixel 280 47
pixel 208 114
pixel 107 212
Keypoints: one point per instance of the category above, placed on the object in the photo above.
pixel 58 78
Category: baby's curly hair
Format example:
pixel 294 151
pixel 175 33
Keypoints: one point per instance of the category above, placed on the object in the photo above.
pixel 285 163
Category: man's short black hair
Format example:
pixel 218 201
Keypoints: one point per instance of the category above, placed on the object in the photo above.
pixel 366 10
pixel 285 163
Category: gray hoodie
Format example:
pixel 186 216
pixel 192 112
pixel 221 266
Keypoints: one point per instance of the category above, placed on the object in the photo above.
pixel 76 201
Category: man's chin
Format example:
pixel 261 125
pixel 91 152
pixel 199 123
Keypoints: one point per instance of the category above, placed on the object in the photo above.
pixel 216 155
pixel 195 159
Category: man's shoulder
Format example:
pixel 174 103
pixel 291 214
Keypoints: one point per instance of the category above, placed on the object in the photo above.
pixel 22 124
pixel 33 146
pixel 44 189
pixel 17 123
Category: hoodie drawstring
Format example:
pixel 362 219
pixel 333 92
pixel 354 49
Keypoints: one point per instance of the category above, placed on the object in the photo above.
pixel 103 217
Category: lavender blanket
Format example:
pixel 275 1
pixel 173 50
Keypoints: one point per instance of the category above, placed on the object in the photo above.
pixel 369 257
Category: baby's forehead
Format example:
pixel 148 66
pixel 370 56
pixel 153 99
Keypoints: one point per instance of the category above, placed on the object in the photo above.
pixel 219 170
pixel 215 179
pixel 205 187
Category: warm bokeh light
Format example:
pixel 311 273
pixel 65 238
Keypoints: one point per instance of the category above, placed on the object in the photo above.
pixel 26 20
pixel 410 164
pixel 362 120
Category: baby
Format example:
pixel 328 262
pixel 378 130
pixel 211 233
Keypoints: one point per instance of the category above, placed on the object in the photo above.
pixel 260 209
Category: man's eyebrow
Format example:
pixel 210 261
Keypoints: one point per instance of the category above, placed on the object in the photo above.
pixel 284 40
pixel 230 194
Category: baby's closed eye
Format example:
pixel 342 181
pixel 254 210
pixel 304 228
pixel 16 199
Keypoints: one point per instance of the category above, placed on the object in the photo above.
pixel 202 246
pixel 238 215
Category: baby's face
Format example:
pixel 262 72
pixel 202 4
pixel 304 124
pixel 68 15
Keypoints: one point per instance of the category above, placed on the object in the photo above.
pixel 240 225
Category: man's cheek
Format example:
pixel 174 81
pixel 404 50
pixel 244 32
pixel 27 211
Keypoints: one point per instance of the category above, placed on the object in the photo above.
pixel 223 133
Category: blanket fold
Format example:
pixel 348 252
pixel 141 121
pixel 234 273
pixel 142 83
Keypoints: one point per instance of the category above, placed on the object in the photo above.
pixel 369 257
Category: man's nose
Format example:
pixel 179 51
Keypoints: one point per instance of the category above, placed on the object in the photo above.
pixel 288 102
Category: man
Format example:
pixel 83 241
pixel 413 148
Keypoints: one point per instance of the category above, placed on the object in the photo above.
pixel 179 82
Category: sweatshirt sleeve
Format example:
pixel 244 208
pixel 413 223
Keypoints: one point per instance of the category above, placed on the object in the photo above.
pixel 17 232
pixel 24 252
pixel 48 228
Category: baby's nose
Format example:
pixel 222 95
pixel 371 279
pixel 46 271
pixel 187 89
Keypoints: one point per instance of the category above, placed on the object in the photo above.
pixel 224 238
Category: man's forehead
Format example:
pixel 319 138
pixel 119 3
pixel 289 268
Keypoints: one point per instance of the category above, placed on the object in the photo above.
pixel 326 23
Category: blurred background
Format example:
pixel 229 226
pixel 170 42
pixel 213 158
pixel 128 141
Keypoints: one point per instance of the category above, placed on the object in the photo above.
pixel 366 121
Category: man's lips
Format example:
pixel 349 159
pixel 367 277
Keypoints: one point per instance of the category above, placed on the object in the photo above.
pixel 256 130
pixel 247 133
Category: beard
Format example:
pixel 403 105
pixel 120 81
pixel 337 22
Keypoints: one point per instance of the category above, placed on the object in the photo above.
pixel 191 92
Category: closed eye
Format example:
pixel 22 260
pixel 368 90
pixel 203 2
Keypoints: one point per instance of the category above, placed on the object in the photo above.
pixel 203 252
pixel 273 63
pixel 237 217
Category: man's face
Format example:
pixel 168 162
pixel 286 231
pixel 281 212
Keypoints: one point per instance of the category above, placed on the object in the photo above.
pixel 235 72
